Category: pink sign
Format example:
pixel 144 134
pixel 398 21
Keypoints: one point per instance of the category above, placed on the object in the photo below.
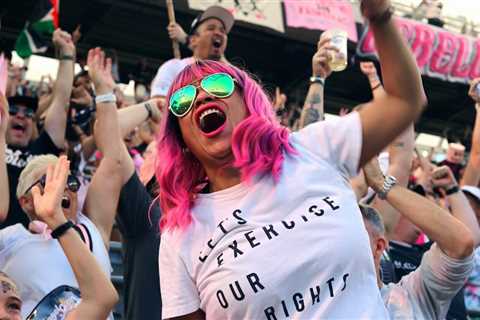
pixel 321 15
pixel 3 74
pixel 439 53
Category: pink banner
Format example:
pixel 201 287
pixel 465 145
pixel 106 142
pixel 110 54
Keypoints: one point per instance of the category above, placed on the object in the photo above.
pixel 321 15
pixel 439 53
pixel 3 74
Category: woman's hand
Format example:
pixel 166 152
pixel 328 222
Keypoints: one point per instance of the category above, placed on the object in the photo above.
pixel 320 67
pixel 48 205
pixel 100 71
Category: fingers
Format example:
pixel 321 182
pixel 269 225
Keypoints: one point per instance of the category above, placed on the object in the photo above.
pixel 108 66
pixel 50 174
pixel 36 195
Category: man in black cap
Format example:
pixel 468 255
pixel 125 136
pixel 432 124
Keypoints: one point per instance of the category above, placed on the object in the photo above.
pixel 208 40
pixel 20 147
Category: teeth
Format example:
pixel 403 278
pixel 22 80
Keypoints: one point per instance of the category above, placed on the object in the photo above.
pixel 207 112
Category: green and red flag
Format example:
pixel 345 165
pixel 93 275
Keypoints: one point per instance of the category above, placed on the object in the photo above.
pixel 34 38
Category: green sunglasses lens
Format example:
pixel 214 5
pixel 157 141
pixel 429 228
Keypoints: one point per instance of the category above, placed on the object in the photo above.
pixel 182 100
pixel 219 85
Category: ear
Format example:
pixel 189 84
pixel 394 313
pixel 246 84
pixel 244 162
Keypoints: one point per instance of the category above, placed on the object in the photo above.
pixel 193 39
pixel 380 245
pixel 26 202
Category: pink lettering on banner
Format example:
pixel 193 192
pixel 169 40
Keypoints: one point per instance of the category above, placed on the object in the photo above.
pixel 439 53
pixel 443 55
pixel 422 44
pixel 321 15
pixel 463 60
pixel 475 68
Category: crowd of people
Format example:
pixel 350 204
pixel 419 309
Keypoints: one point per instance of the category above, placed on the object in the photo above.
pixel 226 203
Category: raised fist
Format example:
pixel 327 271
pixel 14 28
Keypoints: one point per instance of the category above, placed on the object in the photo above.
pixel 374 8
pixel 63 41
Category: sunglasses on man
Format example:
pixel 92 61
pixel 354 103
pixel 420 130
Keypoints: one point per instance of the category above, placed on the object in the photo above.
pixel 73 184
pixel 13 110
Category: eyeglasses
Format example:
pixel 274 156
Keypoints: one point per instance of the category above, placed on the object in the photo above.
pixel 13 110
pixel 73 184
pixel 219 85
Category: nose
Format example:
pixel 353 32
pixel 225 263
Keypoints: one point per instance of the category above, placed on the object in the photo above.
pixel 202 97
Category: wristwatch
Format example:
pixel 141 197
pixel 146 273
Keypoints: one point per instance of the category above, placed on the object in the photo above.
pixel 316 79
pixel 388 184
pixel 106 98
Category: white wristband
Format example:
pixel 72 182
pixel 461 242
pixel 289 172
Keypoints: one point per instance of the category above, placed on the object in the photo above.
pixel 106 98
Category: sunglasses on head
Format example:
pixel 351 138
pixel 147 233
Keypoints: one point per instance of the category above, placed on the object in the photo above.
pixel 13 110
pixel 219 85
pixel 73 184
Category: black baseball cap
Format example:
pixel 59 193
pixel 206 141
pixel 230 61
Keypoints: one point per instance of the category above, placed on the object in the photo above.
pixel 29 102
pixel 216 12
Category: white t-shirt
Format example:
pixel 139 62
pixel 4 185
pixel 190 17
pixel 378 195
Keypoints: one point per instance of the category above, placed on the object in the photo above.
pixel 294 249
pixel 166 74
pixel 427 292
pixel 38 265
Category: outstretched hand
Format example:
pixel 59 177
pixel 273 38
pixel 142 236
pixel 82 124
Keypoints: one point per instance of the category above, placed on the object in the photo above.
pixel 100 71
pixel 4 115
pixel 48 205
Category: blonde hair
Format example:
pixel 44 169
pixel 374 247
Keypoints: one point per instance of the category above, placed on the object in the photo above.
pixel 31 171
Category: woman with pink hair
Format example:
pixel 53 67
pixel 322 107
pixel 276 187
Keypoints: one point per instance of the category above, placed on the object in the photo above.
pixel 260 223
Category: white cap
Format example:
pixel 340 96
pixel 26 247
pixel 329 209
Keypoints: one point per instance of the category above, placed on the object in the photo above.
pixel 474 191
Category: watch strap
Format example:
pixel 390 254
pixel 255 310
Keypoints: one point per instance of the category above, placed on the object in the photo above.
pixel 60 230
pixel 452 190
pixel 316 79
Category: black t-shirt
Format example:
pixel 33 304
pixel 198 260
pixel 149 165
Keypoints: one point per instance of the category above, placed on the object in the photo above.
pixel 138 223
pixel 406 258
pixel 17 159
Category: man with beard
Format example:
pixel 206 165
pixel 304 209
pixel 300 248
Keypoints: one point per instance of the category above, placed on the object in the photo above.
pixel 20 147
pixel 208 40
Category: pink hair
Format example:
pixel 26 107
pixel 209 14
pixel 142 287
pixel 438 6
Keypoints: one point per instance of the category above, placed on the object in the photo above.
pixel 259 143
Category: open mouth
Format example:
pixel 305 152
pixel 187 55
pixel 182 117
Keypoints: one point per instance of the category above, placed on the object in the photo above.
pixel 65 202
pixel 217 43
pixel 18 127
pixel 211 120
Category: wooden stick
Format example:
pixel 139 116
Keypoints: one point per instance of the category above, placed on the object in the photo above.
pixel 171 18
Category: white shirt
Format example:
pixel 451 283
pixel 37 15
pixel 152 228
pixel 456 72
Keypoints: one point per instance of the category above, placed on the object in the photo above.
pixel 166 74
pixel 294 249
pixel 38 265
pixel 427 292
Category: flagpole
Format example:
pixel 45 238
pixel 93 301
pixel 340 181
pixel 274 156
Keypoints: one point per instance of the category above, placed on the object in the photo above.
pixel 171 18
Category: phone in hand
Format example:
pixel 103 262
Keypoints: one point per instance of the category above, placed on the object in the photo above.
pixel 477 89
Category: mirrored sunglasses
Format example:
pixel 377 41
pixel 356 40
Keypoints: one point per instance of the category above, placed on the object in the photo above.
pixel 219 85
